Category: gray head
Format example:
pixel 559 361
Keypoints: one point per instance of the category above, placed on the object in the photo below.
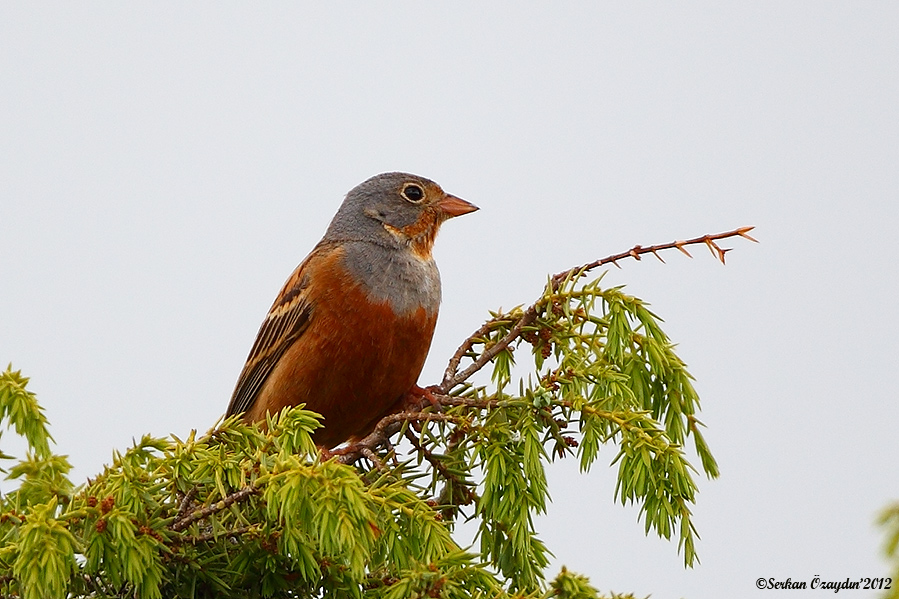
pixel 395 209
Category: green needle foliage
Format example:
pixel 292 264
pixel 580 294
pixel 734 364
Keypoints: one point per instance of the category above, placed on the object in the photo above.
pixel 249 511
pixel 889 520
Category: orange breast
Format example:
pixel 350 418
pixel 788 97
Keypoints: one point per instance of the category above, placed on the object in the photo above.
pixel 354 361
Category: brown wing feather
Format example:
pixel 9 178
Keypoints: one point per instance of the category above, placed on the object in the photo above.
pixel 285 322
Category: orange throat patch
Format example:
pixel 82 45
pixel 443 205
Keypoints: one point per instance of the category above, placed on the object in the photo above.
pixel 420 235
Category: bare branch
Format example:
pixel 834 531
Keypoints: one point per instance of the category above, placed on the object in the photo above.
pixel 460 353
pixel 186 502
pixel 452 400
pixel 637 251
pixel 452 376
pixel 387 427
pixel 374 459
pixel 210 536
pixel 182 523
pixel 469 496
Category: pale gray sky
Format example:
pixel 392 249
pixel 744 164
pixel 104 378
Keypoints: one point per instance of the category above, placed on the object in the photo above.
pixel 164 167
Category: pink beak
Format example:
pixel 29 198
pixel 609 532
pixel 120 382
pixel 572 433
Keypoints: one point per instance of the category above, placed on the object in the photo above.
pixel 453 206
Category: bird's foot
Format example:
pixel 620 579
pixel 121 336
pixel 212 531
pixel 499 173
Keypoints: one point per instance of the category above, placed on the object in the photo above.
pixel 326 454
pixel 416 394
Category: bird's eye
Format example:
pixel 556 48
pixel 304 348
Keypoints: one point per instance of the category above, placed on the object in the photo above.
pixel 413 193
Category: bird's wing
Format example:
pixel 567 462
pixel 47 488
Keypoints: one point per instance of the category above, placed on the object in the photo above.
pixel 288 317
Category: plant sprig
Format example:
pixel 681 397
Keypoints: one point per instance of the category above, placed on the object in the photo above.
pixel 249 511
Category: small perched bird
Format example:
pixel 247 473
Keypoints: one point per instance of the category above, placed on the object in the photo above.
pixel 349 332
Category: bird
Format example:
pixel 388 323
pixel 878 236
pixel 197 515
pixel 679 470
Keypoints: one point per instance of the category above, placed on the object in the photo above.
pixel 351 328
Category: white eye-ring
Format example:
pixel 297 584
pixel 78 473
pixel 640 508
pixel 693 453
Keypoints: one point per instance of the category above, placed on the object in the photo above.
pixel 413 192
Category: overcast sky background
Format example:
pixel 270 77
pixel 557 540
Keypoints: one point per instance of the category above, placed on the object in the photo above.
pixel 163 168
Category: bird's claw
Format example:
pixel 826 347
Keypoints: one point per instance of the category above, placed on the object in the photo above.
pixel 427 393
